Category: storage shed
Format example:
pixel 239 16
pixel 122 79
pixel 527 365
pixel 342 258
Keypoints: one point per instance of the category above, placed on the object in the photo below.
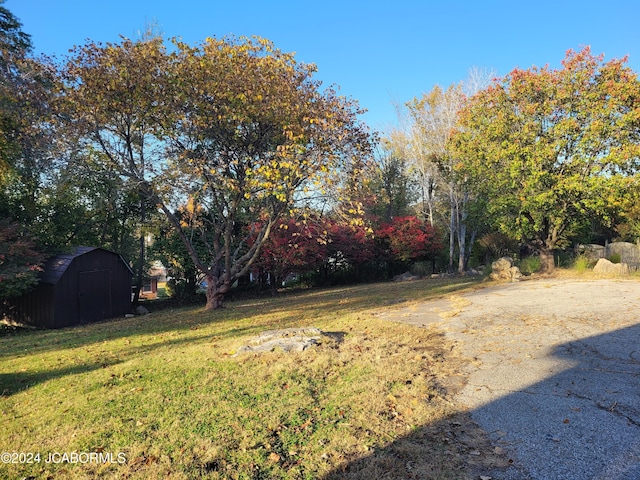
pixel 85 286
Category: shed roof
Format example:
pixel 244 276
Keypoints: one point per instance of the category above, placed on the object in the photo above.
pixel 55 267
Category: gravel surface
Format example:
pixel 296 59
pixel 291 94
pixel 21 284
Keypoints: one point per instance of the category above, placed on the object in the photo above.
pixel 554 374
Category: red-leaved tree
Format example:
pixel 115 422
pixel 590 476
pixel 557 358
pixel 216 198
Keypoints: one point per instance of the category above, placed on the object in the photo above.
pixel 409 238
pixel 20 262
pixel 350 244
pixel 293 246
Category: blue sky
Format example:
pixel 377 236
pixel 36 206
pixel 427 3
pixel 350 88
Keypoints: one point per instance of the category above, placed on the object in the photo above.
pixel 381 53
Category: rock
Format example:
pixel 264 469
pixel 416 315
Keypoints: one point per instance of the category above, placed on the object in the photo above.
pixel 605 267
pixel 504 269
pixel 286 340
pixel 502 264
pixel 515 274
pixel 140 310
pixel 592 251
pixel 406 277
pixel 626 252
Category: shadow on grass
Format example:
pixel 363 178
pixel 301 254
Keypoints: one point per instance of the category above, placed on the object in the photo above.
pixel 15 382
pixel 580 423
pixel 288 310
pixel 453 448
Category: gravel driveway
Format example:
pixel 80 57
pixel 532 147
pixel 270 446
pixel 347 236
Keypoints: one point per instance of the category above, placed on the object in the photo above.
pixel 554 373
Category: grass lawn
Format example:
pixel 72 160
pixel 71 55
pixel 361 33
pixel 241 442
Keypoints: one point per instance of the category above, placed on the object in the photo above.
pixel 162 396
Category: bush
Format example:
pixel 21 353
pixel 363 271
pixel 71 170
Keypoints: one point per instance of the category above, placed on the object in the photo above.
pixel 615 258
pixel 529 265
pixel 421 269
pixel 179 290
pixel 582 263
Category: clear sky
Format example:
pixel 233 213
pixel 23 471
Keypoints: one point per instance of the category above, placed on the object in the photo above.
pixel 381 53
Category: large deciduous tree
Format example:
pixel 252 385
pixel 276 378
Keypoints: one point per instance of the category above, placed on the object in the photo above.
pixel 551 147
pixel 14 47
pixel 433 119
pixel 234 127
pixel 391 188
pixel 113 101
pixel 24 144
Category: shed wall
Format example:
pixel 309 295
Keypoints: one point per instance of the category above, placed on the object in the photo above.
pixel 95 286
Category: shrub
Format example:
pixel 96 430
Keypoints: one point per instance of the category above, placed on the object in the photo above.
pixel 421 268
pixel 530 264
pixel 615 258
pixel 498 244
pixel 582 263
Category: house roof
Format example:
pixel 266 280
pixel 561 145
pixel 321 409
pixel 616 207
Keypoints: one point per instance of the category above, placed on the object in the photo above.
pixel 55 267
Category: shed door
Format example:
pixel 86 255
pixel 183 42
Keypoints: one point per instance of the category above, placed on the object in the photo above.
pixel 94 295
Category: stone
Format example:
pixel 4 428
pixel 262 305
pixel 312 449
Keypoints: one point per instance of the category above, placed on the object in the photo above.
pixel 406 277
pixel 285 340
pixel 140 310
pixel 503 269
pixel 626 252
pixel 592 251
pixel 605 267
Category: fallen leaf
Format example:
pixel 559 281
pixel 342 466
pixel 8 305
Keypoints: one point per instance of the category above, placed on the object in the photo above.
pixel 274 457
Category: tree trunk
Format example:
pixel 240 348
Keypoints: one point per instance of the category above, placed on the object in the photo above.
pixel 462 234
pixel 452 229
pixel 140 281
pixel 215 294
pixel 462 247
pixel 467 254
pixel 140 274
pixel 276 281
pixel 546 259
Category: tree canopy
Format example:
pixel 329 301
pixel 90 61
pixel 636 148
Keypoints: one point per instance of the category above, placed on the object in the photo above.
pixel 552 147
pixel 234 127
pixel 22 102
pixel 237 158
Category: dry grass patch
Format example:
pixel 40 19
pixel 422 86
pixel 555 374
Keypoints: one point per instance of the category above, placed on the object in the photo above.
pixel 164 391
pixel 587 274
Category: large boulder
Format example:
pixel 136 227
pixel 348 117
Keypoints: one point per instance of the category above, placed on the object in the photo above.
pixel 626 252
pixel 605 267
pixel 503 269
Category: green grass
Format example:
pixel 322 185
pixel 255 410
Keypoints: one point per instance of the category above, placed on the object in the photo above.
pixel 582 263
pixel 165 392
